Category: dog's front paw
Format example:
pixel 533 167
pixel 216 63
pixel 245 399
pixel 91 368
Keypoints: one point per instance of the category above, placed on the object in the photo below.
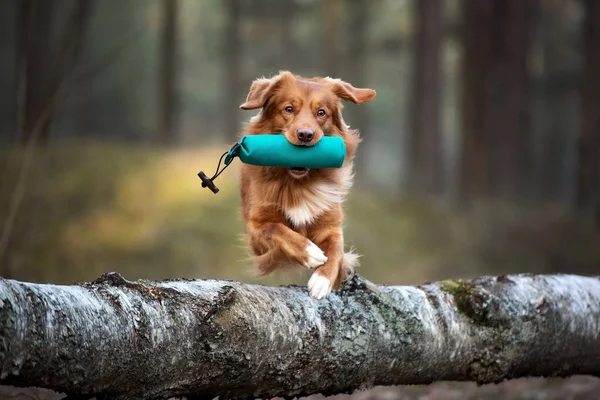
pixel 319 286
pixel 314 256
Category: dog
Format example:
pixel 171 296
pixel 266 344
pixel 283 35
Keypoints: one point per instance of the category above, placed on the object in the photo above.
pixel 294 216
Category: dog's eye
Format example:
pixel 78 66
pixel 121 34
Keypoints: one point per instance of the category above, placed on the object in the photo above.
pixel 321 113
pixel 289 109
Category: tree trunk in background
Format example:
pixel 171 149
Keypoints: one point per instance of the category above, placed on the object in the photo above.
pixel 331 38
pixel 495 110
pixel 38 81
pixel 9 41
pixel 168 73
pixel 232 68
pixel 508 98
pixel 120 339
pixel 476 62
pixel 426 177
pixel 588 196
pixel 47 57
pixel 23 26
pixel 356 72
pixel 555 101
pixel 287 13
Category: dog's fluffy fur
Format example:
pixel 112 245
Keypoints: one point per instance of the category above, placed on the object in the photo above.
pixel 295 217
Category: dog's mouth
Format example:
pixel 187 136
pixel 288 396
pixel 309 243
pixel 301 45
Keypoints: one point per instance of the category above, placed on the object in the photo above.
pixel 298 172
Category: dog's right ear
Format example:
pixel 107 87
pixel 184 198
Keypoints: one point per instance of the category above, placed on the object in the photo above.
pixel 261 89
pixel 355 95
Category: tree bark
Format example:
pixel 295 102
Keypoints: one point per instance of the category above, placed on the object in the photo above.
pixel 139 339
pixel 426 178
pixel 168 74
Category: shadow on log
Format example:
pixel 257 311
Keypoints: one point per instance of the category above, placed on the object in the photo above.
pixel 114 338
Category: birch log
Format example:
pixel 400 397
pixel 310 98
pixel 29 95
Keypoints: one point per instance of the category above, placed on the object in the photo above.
pixel 122 339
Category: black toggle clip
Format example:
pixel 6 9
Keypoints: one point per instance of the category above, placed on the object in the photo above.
pixel 207 182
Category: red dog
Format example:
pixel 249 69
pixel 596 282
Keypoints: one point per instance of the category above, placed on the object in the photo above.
pixel 294 216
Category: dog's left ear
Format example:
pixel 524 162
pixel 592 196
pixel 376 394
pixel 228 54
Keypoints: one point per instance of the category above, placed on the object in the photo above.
pixel 348 92
pixel 261 89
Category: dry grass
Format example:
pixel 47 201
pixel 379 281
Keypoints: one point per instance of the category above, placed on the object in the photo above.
pixel 92 208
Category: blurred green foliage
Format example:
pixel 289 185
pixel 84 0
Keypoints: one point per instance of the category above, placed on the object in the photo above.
pixel 92 207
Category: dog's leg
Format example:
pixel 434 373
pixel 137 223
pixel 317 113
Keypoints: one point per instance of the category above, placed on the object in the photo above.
pixel 330 275
pixel 274 244
pixel 327 234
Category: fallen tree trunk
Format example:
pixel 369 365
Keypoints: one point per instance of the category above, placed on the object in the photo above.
pixel 138 339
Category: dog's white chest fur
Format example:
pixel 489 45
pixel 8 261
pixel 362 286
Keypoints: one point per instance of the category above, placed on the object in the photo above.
pixel 318 199
pixel 300 216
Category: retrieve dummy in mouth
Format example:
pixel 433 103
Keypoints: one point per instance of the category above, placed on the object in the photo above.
pixel 275 151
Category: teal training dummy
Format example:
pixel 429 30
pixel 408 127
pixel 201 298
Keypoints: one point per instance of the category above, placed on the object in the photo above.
pixel 275 151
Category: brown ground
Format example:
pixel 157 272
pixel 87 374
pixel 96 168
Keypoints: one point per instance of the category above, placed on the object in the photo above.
pixel 574 388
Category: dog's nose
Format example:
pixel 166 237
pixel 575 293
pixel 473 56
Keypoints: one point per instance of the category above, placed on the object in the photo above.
pixel 305 134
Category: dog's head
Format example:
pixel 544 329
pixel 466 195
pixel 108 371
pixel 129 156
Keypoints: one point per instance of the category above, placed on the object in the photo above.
pixel 304 109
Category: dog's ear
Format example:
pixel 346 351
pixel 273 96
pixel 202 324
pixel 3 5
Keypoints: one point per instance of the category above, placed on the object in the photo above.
pixel 348 92
pixel 259 92
pixel 261 89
